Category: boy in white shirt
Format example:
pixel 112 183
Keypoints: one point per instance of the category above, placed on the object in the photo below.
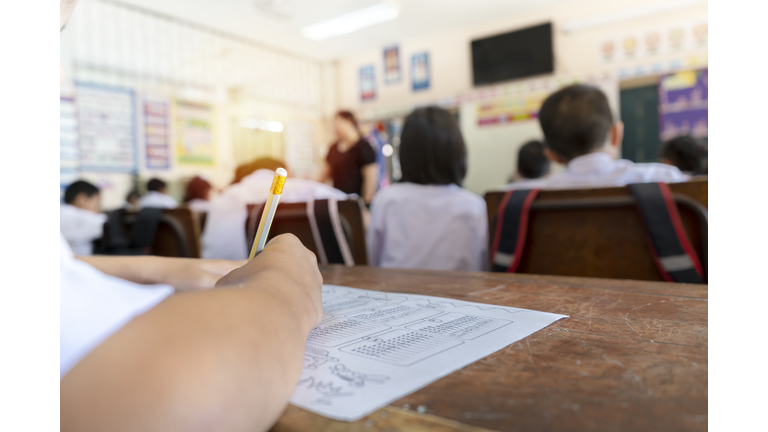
pixel 532 165
pixel 81 220
pixel 157 196
pixel 580 131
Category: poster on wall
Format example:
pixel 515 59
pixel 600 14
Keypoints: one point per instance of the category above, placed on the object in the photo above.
pixel 683 104
pixel 367 83
pixel 510 109
pixel 194 133
pixel 69 149
pixel 392 73
pixel 157 133
pixel 105 118
pixel 420 71
pixel 300 149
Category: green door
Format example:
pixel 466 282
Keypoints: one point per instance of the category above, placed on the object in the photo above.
pixel 640 114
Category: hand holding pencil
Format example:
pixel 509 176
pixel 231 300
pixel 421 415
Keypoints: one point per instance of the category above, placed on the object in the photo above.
pixel 269 211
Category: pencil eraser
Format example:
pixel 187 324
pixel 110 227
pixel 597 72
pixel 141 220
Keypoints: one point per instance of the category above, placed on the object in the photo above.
pixel 281 172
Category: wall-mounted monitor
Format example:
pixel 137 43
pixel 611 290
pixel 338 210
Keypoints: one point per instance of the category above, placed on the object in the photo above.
pixel 517 54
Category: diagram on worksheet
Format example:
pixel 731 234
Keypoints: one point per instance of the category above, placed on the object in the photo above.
pixel 373 348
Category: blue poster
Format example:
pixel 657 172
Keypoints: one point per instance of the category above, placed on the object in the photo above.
pixel 367 83
pixel 420 71
pixel 683 104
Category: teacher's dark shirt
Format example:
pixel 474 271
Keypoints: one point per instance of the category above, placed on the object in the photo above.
pixel 346 168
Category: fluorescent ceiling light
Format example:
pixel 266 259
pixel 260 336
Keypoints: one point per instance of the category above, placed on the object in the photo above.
pixel 631 13
pixel 350 22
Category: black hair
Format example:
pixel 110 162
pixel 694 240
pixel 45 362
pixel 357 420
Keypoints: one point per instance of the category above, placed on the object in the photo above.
pixel 532 163
pixel 131 195
pixel 77 188
pixel 432 150
pixel 156 185
pixel 684 152
pixel 575 120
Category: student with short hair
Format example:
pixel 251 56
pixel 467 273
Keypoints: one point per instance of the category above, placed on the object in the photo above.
pixel 80 218
pixel 532 164
pixel 197 195
pixel 426 220
pixel 684 152
pixel 157 195
pixel 580 131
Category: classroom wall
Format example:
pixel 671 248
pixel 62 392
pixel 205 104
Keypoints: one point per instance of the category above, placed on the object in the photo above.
pixel 492 149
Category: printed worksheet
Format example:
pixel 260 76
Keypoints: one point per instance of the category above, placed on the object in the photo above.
pixel 373 347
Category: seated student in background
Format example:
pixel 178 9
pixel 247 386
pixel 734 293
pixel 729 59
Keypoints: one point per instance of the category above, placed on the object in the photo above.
pixel 224 233
pixel 197 194
pixel 580 131
pixel 136 357
pixel 427 221
pixel 686 153
pixel 157 195
pixel 532 164
pixel 81 220
pixel 132 200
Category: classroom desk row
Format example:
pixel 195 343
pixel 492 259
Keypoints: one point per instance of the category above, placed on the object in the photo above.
pixel 631 357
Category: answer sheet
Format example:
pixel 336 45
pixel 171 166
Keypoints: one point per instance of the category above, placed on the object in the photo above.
pixel 373 348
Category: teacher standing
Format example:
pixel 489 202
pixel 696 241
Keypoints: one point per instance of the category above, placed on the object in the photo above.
pixel 351 161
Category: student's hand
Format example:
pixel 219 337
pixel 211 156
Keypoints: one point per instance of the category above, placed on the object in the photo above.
pixel 292 268
pixel 188 274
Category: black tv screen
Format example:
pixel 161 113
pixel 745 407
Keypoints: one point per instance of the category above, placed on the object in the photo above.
pixel 517 54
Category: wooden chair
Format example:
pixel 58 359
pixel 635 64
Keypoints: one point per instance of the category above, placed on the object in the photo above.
pixel 599 232
pixel 177 235
pixel 292 218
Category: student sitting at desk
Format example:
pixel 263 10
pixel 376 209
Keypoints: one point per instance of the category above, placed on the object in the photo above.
pixel 81 220
pixel 136 357
pixel 197 195
pixel 580 131
pixel 532 164
pixel 427 220
pixel 157 195
pixel 224 233
pixel 686 153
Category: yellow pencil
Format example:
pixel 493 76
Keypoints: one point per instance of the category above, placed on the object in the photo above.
pixel 269 212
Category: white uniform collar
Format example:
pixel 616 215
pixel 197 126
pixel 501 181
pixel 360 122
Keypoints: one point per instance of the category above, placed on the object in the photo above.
pixel 592 163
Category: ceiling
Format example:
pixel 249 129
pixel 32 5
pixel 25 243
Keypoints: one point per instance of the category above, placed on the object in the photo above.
pixel 278 23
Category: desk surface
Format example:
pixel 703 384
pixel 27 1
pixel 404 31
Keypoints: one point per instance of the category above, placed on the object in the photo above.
pixel 631 357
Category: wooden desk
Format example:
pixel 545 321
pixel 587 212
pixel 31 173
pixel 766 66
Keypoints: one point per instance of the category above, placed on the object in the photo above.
pixel 631 357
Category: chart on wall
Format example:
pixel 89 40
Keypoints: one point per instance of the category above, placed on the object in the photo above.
pixel 392 65
pixel 69 149
pixel 420 71
pixel 157 144
pixel 194 133
pixel 683 104
pixel 105 118
pixel 367 83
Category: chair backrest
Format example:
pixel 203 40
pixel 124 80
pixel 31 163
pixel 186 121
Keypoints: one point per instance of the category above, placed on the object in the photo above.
pixel 600 233
pixel 175 234
pixel 293 218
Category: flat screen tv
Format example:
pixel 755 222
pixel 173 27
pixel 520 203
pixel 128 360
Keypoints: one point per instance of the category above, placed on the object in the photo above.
pixel 517 54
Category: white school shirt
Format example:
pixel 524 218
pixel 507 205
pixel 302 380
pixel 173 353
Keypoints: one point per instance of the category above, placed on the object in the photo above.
pixel 598 170
pixel 80 228
pixel 94 306
pixel 158 200
pixel 431 227
pixel 224 233
pixel 198 205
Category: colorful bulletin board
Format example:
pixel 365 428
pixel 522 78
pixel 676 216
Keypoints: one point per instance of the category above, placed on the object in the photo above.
pixel 392 73
pixel 157 133
pixel 106 126
pixel 194 133
pixel 420 71
pixel 683 104
pixel 68 143
pixel 367 83
pixel 510 109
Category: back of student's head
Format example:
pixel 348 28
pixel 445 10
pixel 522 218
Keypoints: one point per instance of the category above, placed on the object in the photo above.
pixel 576 120
pixel 197 188
pixel 77 188
pixel 156 185
pixel 532 163
pixel 245 170
pixel 432 150
pixel 684 152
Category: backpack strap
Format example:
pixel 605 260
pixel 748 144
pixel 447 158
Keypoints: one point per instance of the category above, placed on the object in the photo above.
pixel 331 232
pixel 144 229
pixel 510 230
pixel 669 244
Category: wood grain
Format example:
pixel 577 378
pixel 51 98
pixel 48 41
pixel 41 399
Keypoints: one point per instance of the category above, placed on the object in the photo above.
pixel 631 357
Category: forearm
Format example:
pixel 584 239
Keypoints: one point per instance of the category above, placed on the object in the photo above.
pixel 370 181
pixel 218 360
pixel 137 269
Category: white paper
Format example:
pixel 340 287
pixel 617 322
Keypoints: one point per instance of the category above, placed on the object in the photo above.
pixel 373 347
